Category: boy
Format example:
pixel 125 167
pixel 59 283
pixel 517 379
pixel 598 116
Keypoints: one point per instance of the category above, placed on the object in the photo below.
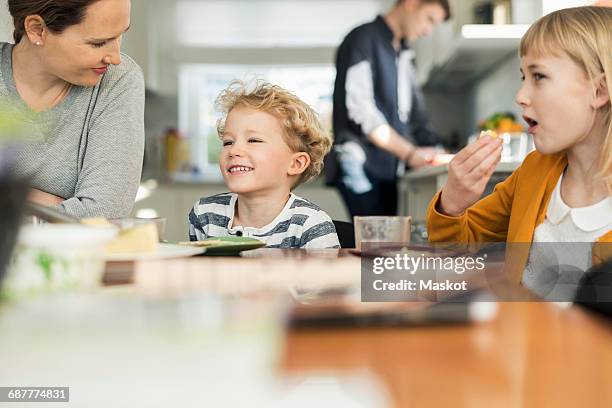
pixel 272 142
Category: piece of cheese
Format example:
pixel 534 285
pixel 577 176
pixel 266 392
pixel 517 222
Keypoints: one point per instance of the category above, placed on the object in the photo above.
pixel 96 222
pixel 141 239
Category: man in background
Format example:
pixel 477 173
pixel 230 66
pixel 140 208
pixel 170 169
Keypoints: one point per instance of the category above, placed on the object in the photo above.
pixel 379 118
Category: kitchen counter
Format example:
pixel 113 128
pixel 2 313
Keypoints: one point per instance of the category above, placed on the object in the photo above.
pixel 417 187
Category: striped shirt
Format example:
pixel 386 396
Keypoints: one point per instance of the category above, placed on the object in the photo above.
pixel 301 224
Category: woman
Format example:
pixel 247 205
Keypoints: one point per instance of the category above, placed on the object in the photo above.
pixel 87 100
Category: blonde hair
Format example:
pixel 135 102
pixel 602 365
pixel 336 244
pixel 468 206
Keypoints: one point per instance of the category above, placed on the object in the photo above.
pixel 585 35
pixel 302 129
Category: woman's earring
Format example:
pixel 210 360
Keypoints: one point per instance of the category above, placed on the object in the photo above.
pixel 38 43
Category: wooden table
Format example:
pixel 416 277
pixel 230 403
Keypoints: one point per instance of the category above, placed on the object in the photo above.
pixel 533 354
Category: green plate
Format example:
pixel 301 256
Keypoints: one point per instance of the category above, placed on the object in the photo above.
pixel 227 245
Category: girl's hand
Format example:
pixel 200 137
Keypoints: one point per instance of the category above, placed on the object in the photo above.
pixel 468 175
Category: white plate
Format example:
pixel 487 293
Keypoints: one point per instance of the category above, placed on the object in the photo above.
pixel 164 251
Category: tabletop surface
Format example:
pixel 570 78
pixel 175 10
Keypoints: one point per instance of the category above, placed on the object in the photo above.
pixel 532 354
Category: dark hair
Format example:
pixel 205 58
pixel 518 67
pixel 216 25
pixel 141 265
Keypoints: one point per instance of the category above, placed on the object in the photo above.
pixel 442 3
pixel 57 14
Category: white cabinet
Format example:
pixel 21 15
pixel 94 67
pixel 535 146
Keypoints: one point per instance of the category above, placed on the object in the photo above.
pixel 460 52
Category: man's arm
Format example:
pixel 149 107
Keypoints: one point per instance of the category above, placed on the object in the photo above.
pixel 386 138
pixel 362 109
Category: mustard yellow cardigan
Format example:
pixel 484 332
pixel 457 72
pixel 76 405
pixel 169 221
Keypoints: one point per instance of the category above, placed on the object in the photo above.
pixel 511 212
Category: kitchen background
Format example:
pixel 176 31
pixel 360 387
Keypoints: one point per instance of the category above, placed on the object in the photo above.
pixel 190 49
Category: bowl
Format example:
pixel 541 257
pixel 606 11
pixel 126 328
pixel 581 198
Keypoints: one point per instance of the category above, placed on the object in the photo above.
pixel 49 257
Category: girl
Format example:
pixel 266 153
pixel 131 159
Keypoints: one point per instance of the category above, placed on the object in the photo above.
pixel 563 191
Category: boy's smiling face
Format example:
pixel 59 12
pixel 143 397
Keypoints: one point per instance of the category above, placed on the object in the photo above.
pixel 255 157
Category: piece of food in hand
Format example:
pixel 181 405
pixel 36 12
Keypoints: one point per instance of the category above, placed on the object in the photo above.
pixel 489 133
pixel 140 239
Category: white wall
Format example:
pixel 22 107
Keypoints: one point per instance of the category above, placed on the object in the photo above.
pixel 153 42
pixel 6 23
pixel 449 114
pixel 497 91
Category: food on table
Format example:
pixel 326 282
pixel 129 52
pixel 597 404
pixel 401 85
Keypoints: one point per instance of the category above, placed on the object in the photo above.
pixel 140 239
pixel 225 245
pixel 96 222
pixel 206 243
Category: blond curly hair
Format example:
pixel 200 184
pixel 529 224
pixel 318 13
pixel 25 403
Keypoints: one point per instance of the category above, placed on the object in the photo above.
pixel 302 128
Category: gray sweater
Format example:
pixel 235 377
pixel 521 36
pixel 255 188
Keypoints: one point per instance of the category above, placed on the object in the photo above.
pixel 89 148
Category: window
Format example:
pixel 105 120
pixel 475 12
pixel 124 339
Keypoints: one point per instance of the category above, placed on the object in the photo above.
pixel 199 85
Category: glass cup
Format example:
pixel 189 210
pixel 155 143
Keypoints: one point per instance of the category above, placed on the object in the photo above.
pixel 382 229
